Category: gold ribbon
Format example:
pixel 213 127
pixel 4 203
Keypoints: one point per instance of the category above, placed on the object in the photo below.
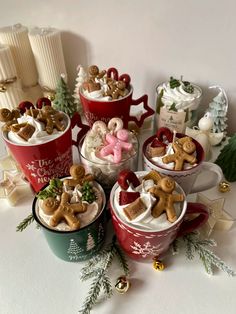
pixel 4 83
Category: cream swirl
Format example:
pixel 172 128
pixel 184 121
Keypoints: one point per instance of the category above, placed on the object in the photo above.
pixel 145 221
pixel 179 96
pixel 39 136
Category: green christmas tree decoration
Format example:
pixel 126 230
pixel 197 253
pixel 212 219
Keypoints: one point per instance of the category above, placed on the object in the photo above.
pixel 63 99
pixel 227 159
pixel 218 110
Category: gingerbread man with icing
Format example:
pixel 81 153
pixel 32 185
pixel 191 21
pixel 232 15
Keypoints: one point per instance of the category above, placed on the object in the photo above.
pixel 165 198
pixel 63 210
pixel 9 117
pixel 183 152
pixel 51 118
pixel 78 176
pixel 115 145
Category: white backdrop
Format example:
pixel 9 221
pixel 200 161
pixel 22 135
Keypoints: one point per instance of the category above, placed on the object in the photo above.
pixel 150 40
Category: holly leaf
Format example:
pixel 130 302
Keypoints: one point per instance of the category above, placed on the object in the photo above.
pixel 173 107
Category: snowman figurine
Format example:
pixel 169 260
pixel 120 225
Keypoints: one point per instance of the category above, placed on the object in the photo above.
pixel 204 136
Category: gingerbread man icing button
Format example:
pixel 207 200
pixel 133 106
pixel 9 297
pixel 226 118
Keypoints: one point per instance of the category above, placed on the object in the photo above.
pixel 115 145
pixel 63 210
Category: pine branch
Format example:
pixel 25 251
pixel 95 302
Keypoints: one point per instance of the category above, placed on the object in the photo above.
pixel 97 268
pixel 25 223
pixel 92 297
pixel 122 260
pixel 209 259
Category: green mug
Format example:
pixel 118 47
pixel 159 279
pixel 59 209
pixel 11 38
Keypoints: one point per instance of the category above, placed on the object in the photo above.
pixel 77 245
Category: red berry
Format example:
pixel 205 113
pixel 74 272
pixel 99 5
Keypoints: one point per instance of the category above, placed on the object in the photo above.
pixel 164 133
pixel 127 177
pixel 43 102
pixel 25 105
pixel 127 197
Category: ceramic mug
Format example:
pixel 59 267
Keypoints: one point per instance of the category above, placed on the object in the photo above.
pixel 187 177
pixel 95 109
pixel 143 245
pixel 78 245
pixel 53 158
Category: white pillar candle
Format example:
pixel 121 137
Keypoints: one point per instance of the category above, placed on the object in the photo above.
pixel 47 49
pixel 16 37
pixel 11 93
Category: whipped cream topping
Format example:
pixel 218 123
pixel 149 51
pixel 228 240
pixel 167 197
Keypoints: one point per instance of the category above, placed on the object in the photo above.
pixel 179 96
pixel 94 141
pixel 85 218
pixel 39 136
pixel 99 94
pixel 145 221
pixel 170 166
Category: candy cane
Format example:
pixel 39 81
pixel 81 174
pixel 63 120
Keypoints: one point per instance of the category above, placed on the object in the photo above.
pixel 164 132
pixel 99 127
pixel 127 177
pixel 115 124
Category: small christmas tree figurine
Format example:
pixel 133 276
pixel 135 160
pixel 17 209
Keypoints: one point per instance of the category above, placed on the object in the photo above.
pixel 80 79
pixel 63 99
pixel 227 159
pixel 218 110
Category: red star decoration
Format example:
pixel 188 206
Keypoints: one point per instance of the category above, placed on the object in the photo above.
pixel 149 111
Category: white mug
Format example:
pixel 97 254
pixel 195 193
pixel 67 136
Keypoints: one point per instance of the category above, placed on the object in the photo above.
pixel 187 177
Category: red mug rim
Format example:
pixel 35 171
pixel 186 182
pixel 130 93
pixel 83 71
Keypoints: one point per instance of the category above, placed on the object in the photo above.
pixel 35 201
pixel 106 101
pixel 134 228
pixel 200 154
pixel 4 136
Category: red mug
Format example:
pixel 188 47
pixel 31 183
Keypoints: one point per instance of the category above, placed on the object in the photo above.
pixel 41 162
pixel 144 245
pixel 95 109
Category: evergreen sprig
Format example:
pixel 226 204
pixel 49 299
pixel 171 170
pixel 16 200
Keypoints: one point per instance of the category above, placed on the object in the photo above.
pixel 25 223
pixel 209 259
pixel 52 190
pixel 97 268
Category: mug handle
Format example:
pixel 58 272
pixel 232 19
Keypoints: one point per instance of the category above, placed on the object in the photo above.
pixel 208 184
pixel 188 226
pixel 149 111
pixel 76 121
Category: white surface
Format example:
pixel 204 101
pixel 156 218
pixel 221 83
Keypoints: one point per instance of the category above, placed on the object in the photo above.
pixel 150 40
pixel 34 281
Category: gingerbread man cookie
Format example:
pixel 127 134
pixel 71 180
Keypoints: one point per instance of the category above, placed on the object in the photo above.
pixel 165 198
pixel 115 145
pixel 116 90
pixel 63 210
pixel 9 117
pixel 182 153
pixel 51 118
pixel 95 73
pixel 78 176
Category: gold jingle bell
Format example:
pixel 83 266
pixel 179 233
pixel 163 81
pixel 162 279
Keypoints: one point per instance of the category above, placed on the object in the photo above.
pixel 157 264
pixel 122 284
pixel 224 186
pixel 51 96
